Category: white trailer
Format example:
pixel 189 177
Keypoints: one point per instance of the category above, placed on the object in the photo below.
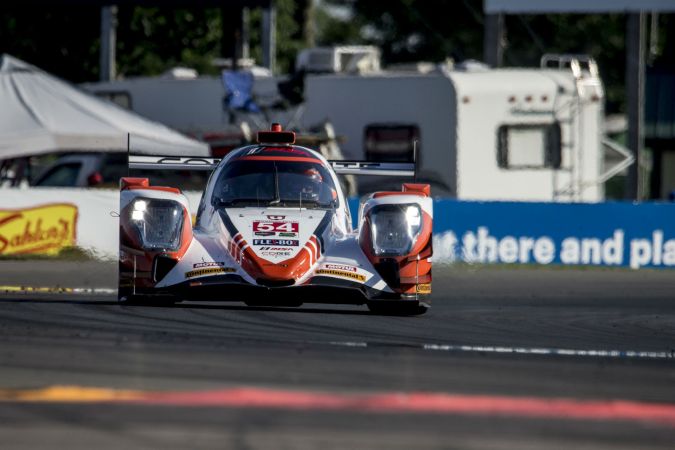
pixel 482 134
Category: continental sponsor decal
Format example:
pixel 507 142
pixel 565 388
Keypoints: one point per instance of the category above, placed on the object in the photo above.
pixel 44 229
pixel 424 288
pixel 209 271
pixel 342 273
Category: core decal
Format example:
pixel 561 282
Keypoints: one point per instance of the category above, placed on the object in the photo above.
pixel 341 273
pixel 209 271
pixel 275 251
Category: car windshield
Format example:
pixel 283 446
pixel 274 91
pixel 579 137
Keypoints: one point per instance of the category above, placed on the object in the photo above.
pixel 275 183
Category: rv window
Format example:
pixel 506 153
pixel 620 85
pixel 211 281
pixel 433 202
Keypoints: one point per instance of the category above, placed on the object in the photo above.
pixel 120 98
pixel 390 142
pixel 529 146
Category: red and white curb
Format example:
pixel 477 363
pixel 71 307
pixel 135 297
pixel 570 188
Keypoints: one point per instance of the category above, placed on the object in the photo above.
pixel 378 402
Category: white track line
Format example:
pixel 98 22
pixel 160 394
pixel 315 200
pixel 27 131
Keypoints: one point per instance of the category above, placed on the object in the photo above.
pixel 593 353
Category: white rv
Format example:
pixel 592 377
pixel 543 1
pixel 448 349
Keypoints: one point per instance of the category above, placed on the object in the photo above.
pixel 481 133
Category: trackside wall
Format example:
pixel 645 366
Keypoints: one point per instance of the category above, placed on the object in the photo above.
pixel 620 234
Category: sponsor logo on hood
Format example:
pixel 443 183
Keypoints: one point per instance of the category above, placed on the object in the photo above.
pixel 340 267
pixel 288 234
pixel 209 264
pixel 288 227
pixel 342 274
pixel 282 242
pixel 275 253
pixel 209 271
pixel 424 288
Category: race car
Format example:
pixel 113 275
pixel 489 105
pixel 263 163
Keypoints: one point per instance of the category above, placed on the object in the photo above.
pixel 274 228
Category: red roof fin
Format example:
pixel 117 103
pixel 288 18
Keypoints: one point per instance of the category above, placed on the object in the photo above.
pixel 276 136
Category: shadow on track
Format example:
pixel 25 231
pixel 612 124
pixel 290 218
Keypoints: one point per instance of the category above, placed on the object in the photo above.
pixel 190 306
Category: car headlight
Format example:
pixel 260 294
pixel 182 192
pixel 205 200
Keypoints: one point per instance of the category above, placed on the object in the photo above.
pixel 394 228
pixel 158 222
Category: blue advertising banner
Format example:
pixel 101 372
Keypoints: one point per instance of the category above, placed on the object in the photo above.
pixel 603 234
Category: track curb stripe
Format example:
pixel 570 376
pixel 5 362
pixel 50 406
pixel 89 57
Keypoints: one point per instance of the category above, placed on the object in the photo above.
pixel 387 402
pixel 55 290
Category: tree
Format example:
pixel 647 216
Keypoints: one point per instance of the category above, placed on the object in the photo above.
pixel 414 30
pixel 63 40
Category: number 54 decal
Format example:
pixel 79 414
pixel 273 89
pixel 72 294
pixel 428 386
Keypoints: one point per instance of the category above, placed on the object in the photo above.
pixel 288 227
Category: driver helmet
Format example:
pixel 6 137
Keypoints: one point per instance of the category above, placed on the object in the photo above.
pixel 311 184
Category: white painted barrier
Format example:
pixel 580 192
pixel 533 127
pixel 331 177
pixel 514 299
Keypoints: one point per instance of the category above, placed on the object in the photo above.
pixel 97 224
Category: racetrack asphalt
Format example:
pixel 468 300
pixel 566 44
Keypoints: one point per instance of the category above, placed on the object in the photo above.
pixel 506 358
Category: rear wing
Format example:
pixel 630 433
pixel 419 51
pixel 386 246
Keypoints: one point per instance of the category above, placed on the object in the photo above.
pixel 172 162
pixel 397 169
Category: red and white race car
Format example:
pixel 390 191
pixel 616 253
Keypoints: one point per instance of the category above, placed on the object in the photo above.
pixel 274 228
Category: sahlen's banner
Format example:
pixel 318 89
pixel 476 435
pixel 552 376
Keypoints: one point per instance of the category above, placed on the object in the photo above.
pixel 44 229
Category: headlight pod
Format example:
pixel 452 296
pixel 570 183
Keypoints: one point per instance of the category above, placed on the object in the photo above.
pixel 159 223
pixel 394 228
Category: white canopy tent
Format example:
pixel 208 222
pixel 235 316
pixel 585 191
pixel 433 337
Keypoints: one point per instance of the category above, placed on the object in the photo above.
pixel 40 113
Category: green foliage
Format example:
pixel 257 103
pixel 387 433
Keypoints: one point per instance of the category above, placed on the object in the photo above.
pixel 63 40
pixel 152 40
pixel 287 39
pixel 409 30
pixel 598 35
pixel 333 31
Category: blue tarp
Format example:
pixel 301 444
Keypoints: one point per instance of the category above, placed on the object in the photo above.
pixel 604 234
pixel 239 87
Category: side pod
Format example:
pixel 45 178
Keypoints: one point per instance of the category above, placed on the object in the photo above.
pixel 395 233
pixel 155 233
